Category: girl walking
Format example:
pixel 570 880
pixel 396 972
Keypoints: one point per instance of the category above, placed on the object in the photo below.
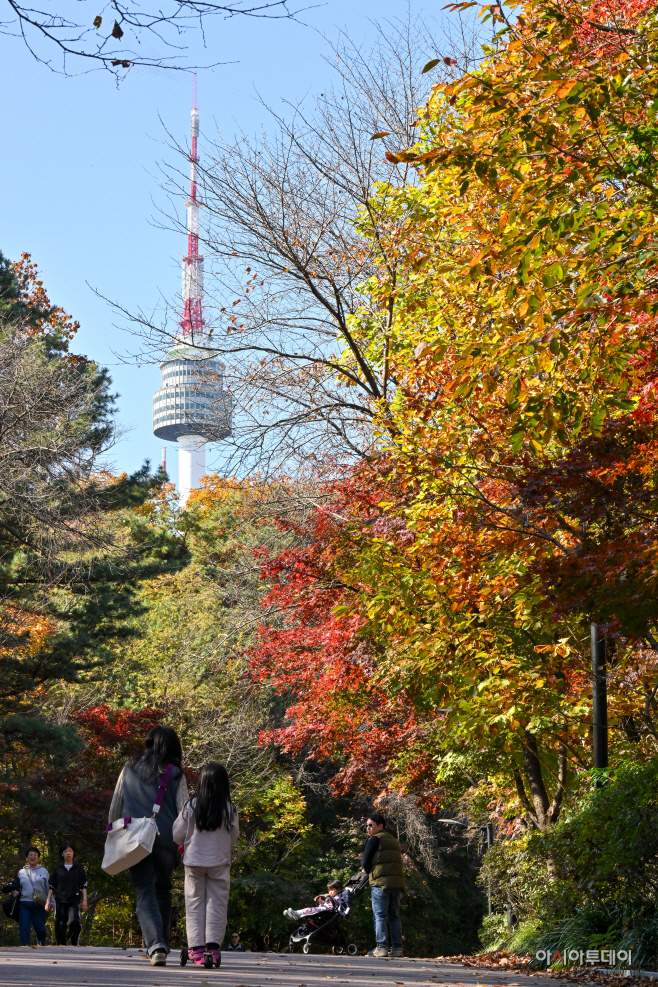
pixel 208 827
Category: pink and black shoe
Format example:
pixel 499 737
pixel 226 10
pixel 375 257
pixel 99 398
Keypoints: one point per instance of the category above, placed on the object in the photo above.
pixel 212 956
pixel 197 955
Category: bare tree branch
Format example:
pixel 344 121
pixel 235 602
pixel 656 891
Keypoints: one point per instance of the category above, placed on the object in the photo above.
pixel 98 37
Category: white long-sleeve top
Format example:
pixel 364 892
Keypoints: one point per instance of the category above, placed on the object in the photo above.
pixel 31 878
pixel 205 848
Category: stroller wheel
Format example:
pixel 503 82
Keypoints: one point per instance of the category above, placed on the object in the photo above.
pixel 352 949
pixel 306 948
pixel 184 956
pixel 337 950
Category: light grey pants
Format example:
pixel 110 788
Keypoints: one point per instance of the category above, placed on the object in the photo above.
pixel 206 902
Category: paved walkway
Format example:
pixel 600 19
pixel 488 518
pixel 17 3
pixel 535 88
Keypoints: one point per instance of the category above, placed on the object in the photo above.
pixel 69 967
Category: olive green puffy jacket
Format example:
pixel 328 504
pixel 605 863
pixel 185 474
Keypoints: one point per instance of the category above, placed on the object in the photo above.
pixel 387 869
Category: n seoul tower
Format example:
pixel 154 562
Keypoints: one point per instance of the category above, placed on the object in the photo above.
pixel 191 407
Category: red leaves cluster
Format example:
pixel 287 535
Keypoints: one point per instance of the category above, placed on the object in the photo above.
pixel 314 651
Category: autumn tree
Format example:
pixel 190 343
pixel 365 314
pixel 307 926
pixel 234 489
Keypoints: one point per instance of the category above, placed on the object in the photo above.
pixel 514 488
pixel 67 567
pixel 524 346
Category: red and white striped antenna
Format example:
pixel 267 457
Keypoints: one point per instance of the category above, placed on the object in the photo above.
pixel 192 321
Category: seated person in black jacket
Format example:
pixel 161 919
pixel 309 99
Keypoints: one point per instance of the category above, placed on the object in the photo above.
pixel 235 945
pixel 67 882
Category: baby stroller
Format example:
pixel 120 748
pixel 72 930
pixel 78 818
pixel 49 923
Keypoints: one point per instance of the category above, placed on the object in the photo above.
pixel 322 931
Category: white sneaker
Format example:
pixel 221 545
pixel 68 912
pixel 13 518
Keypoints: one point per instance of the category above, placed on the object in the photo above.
pixel 378 951
pixel 159 958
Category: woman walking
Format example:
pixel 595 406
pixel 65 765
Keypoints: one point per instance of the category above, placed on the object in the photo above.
pixel 134 795
pixel 33 896
pixel 208 827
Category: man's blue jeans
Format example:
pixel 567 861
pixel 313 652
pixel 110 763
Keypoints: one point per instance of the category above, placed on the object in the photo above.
pixel 152 880
pixel 386 907
pixel 30 915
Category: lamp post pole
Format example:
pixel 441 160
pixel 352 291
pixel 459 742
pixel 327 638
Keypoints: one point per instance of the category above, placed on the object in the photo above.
pixel 599 701
pixel 490 840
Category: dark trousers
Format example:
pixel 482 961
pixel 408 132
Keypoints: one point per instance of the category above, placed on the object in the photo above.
pixel 152 880
pixel 67 923
pixel 31 915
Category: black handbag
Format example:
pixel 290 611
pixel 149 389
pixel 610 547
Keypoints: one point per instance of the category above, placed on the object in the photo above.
pixel 11 905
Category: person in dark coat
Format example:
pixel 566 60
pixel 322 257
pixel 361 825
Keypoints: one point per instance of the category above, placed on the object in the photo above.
pixel 134 795
pixel 235 945
pixel 68 884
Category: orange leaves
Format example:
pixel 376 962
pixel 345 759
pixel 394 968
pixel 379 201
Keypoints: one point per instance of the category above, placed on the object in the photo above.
pixel 25 632
pixel 41 314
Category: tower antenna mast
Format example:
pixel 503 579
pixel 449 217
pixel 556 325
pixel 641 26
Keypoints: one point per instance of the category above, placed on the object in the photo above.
pixel 192 321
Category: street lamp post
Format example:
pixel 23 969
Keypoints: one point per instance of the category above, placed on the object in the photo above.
pixel 599 700
pixel 490 840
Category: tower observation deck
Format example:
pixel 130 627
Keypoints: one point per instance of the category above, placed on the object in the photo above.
pixel 192 408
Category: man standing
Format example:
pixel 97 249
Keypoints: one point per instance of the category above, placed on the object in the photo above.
pixel 67 882
pixel 382 861
pixel 235 945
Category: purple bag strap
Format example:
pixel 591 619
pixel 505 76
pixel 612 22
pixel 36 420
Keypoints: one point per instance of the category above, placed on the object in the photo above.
pixel 162 789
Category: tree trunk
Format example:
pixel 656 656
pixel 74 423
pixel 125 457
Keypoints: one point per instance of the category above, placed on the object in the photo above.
pixel 539 811
pixel 533 771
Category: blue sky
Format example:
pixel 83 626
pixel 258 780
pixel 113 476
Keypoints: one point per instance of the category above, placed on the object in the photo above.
pixel 79 174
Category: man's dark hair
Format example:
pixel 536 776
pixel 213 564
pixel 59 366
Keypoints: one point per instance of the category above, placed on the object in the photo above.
pixel 337 885
pixel 33 849
pixel 377 818
pixel 65 845
pixel 235 934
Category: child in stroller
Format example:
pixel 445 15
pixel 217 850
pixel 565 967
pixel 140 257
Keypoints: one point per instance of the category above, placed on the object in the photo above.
pixel 336 899
pixel 324 922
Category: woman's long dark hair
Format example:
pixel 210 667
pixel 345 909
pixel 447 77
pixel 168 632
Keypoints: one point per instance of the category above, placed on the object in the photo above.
pixel 162 747
pixel 213 798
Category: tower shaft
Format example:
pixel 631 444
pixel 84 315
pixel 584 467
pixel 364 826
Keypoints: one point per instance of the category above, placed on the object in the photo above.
pixel 191 464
